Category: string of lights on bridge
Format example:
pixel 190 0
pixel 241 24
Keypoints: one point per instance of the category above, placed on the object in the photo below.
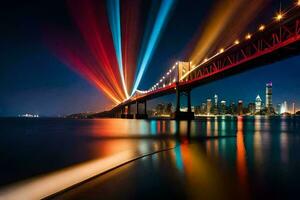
pixel 278 17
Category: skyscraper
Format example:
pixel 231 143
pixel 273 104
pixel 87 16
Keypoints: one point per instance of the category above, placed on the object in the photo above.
pixel 284 108
pixel 216 105
pixel 251 108
pixel 278 109
pixel 294 109
pixel 258 104
pixel 203 108
pixel 208 106
pixel 240 108
pixel 223 107
pixel 232 108
pixel 269 96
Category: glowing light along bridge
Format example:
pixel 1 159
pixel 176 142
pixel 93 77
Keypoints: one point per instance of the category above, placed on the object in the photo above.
pixel 273 42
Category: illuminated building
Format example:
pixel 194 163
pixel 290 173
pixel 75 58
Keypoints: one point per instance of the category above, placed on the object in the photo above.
pixel 284 108
pixel 208 106
pixel 251 108
pixel 223 107
pixel 294 109
pixel 203 108
pixel 168 108
pixel 232 108
pixel 240 107
pixel 278 109
pixel 258 104
pixel 216 105
pixel 269 96
pixel 163 109
pixel 159 109
pixel 197 110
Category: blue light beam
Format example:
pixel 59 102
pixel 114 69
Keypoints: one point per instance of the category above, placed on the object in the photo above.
pixel 156 32
pixel 114 16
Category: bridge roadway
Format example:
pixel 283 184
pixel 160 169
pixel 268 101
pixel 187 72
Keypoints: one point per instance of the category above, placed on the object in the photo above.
pixel 277 41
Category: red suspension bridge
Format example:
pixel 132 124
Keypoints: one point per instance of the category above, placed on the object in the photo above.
pixel 271 43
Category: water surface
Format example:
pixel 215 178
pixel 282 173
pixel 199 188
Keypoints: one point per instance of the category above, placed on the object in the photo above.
pixel 255 153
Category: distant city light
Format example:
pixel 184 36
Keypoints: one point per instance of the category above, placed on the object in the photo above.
pixel 236 42
pixel 261 27
pixel 221 50
pixel 29 115
pixel 298 3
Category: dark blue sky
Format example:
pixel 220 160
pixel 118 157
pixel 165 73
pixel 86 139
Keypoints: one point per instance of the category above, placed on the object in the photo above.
pixel 33 80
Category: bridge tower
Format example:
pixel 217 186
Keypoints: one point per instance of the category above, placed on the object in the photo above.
pixel 183 68
pixel 127 115
pixel 178 114
pixel 144 114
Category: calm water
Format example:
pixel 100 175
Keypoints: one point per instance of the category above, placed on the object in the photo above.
pixel 256 151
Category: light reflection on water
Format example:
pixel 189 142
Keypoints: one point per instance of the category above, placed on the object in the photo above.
pixel 122 128
pixel 263 150
pixel 261 165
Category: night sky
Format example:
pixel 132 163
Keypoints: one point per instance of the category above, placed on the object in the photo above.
pixel 34 80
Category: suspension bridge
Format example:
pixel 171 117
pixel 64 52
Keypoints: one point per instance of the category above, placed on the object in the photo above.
pixel 272 42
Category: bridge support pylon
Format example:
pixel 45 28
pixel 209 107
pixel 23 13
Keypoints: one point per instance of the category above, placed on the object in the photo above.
pixel 140 115
pixel 118 113
pixel 127 115
pixel 179 115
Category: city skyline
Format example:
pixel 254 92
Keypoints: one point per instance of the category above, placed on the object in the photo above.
pixel 265 102
pixel 278 98
pixel 220 106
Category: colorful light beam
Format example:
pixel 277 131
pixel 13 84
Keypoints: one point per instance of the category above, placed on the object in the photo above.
pixel 156 31
pixel 93 76
pixel 78 58
pixel 229 18
pixel 131 36
pixel 107 53
pixel 113 7
pixel 97 61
